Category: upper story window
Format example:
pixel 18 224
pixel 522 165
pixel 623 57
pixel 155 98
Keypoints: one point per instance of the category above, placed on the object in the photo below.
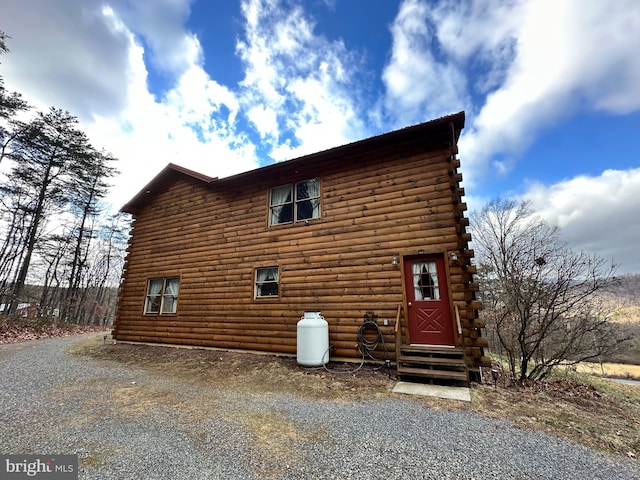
pixel 162 296
pixel 295 202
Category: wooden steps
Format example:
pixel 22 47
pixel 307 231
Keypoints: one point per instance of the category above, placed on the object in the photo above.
pixel 439 365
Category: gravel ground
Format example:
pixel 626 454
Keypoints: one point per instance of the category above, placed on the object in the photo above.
pixel 127 424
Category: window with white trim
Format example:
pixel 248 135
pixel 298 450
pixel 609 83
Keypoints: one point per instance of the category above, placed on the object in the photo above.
pixel 267 282
pixel 295 202
pixel 162 296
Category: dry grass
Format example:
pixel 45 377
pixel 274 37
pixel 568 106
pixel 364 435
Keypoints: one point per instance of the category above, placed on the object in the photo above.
pixel 244 372
pixel 627 314
pixel 613 370
pixel 596 413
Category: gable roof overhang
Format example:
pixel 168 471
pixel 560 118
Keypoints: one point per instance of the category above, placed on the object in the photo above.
pixel 166 176
pixel 437 134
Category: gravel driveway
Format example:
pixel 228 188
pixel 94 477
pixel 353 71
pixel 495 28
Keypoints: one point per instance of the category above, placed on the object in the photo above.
pixel 127 424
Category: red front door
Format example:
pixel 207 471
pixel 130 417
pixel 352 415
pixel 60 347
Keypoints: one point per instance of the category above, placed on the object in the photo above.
pixel 428 301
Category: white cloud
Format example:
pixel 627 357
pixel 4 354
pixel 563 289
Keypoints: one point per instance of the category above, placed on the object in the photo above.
pixel 67 54
pixel 97 71
pixel 570 56
pixel 517 67
pixel 160 23
pixel 189 126
pixel 596 214
pixel 196 97
pixel 419 86
pixel 479 30
pixel 298 90
pixel 265 119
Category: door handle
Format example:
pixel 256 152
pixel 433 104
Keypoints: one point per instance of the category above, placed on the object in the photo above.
pixel 409 303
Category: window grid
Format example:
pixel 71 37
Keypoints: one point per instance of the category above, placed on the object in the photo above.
pixel 266 282
pixel 425 281
pixel 295 202
pixel 162 296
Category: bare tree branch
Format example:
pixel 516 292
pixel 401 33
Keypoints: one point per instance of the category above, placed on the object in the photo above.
pixel 539 296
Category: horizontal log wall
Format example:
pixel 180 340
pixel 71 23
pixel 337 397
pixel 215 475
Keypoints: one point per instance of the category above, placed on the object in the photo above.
pixel 213 237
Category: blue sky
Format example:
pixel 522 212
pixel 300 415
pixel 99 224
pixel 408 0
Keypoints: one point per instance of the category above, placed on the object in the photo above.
pixel 550 89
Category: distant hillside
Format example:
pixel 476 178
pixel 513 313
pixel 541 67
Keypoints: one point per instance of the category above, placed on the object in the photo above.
pixel 622 296
pixel 626 287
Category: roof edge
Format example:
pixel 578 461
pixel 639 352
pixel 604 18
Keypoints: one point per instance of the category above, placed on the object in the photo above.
pixel 454 121
pixel 170 170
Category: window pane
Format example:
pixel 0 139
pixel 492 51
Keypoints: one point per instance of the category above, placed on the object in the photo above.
pixel 268 290
pixel 313 187
pixel 170 297
pixel 286 214
pixel 153 305
pixel 266 282
pixel 281 204
pixel 281 214
pixel 308 199
pixel 154 294
pixel 169 304
pixel 302 190
pixel 171 286
pixel 425 281
pixel 305 210
pixel 155 286
pixel 281 195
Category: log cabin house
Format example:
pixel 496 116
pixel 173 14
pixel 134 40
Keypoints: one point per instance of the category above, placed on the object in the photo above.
pixel 370 230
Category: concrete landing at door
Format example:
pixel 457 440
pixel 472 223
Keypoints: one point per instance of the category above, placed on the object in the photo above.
pixel 462 394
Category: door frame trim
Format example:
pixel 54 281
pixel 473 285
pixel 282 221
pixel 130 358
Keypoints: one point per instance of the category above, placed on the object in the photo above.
pixel 444 253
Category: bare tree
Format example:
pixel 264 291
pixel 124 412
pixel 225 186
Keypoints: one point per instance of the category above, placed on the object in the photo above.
pixel 50 148
pixel 3 42
pixel 53 247
pixel 99 277
pixel 14 215
pixel 538 295
pixel 53 253
pixel 88 188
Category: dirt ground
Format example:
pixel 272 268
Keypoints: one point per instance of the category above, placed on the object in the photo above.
pixel 597 413
pixel 250 371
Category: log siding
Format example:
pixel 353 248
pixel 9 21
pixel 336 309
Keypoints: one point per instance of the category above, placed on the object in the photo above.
pixel 380 198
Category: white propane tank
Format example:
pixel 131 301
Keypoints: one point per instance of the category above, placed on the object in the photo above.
pixel 313 340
